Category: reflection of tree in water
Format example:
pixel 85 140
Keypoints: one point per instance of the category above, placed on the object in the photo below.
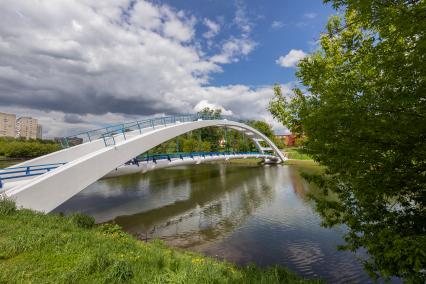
pixel 173 177
pixel 221 198
pixel 308 192
pixel 298 184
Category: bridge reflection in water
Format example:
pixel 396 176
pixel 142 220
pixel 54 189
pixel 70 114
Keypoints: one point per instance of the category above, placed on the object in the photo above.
pixel 243 213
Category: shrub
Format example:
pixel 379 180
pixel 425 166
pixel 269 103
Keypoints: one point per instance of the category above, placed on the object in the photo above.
pixel 82 221
pixel 112 230
pixel 7 206
pixel 17 148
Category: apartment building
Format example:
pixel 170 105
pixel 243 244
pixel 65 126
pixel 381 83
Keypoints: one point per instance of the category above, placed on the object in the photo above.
pixel 39 132
pixel 7 124
pixel 26 127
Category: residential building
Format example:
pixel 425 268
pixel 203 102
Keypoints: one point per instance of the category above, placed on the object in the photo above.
pixel 288 139
pixel 7 124
pixel 26 127
pixel 39 132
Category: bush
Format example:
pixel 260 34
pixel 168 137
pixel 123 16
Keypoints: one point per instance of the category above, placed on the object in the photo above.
pixel 7 206
pixel 82 221
pixel 17 148
pixel 112 230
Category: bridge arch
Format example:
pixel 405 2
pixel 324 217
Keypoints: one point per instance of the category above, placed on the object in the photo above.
pixel 89 162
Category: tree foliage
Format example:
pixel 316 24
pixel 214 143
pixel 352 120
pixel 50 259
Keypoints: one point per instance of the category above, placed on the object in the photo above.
pixel 263 127
pixel 363 113
pixel 210 113
pixel 212 135
pixel 18 148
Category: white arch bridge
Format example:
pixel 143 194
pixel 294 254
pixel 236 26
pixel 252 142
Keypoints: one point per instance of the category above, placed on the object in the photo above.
pixel 46 182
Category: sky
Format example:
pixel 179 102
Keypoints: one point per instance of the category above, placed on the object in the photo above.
pixel 80 64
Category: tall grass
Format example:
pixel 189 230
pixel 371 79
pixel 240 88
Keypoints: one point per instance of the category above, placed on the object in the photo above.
pixel 296 154
pixel 39 248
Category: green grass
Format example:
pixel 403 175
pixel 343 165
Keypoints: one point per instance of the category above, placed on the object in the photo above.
pixel 252 161
pixel 6 162
pixel 309 166
pixel 296 154
pixel 40 248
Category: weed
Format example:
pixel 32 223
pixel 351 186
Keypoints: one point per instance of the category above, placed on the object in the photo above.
pixel 7 206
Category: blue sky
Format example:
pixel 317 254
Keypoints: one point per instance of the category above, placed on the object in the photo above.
pixel 76 65
pixel 277 27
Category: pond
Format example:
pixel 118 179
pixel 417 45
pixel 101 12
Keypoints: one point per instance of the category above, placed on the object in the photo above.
pixel 244 213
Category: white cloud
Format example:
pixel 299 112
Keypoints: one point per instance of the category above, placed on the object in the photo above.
pixel 277 24
pixel 71 57
pixel 310 15
pixel 246 102
pixel 292 58
pixel 162 19
pixel 81 64
pixel 213 28
pixel 77 27
pixel 232 49
pixel 236 47
pixel 179 30
pixel 146 15
pixel 241 19
pixel 205 104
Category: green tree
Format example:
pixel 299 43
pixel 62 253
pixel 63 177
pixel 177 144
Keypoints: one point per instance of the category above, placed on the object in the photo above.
pixel 243 146
pixel 21 148
pixel 363 113
pixel 210 113
pixel 212 135
pixel 204 146
pixel 263 127
pixel 190 145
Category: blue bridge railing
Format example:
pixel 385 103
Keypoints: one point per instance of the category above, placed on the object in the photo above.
pixel 155 157
pixel 26 171
pixel 108 134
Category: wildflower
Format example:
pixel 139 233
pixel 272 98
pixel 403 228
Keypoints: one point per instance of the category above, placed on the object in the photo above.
pixel 197 260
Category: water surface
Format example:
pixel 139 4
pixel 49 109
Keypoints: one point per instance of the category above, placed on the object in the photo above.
pixel 239 212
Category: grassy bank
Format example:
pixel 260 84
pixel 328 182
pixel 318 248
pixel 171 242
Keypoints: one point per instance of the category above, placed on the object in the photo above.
pixel 303 162
pixel 251 161
pixel 41 248
pixel 8 162
pixel 296 154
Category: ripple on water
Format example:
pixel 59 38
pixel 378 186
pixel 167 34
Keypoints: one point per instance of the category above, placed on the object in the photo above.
pixel 309 259
pixel 304 255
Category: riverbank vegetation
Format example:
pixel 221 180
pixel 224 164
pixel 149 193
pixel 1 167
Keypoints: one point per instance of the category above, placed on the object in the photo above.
pixel 40 248
pixel 24 149
pixel 248 161
pixel 296 153
pixel 362 116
